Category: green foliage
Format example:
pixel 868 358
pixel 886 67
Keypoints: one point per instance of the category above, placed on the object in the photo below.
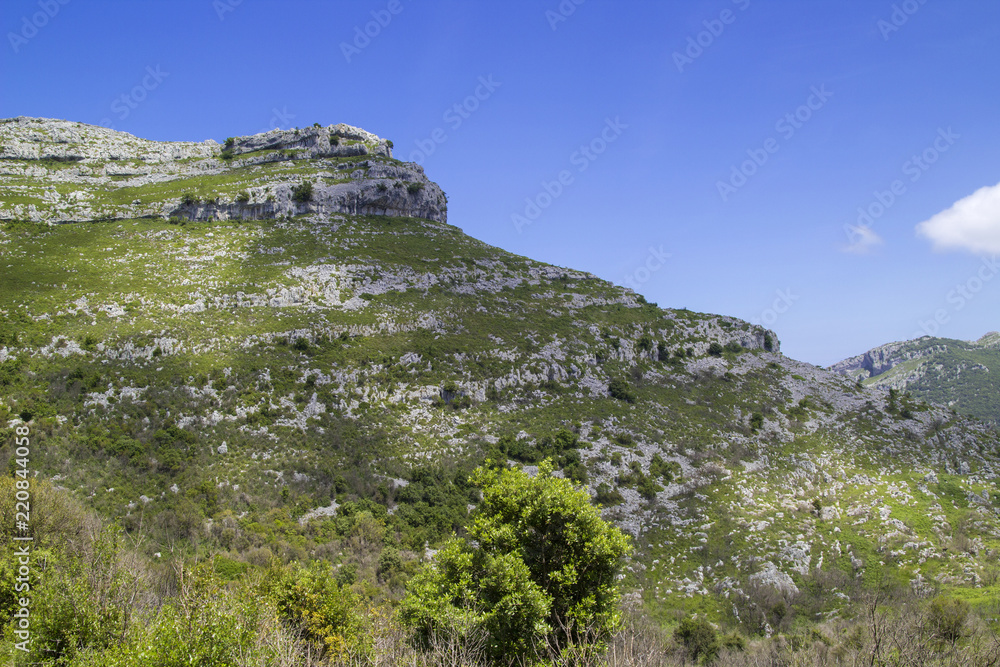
pixel 415 187
pixel 715 350
pixel 541 569
pixel 227 149
pixel 433 505
pixel 607 496
pixel 620 389
pixel 666 471
pixel 561 448
pixel 768 342
pixel 948 617
pixel 328 614
pixel 700 640
pixel 303 192
pixel 646 485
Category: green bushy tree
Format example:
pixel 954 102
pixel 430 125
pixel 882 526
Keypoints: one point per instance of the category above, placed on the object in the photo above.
pixel 619 388
pixel 699 638
pixel 539 572
pixel 303 192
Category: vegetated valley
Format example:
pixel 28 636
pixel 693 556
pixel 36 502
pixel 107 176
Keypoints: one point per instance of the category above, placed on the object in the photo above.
pixel 280 412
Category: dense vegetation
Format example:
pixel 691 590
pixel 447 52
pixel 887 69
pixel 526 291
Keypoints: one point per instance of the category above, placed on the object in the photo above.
pixel 97 600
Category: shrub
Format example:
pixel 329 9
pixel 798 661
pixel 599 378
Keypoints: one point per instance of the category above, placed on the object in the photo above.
pixel 947 617
pixel 227 150
pixel 768 342
pixel 243 198
pixel 648 488
pixel 715 350
pixel 608 496
pixel 414 188
pixel 619 388
pixel 328 613
pixel 698 637
pixel 303 192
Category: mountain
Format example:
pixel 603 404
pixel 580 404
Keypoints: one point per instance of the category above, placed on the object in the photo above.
pixel 963 375
pixel 234 347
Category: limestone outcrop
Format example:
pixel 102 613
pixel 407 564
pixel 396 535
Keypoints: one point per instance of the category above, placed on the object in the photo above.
pixel 56 171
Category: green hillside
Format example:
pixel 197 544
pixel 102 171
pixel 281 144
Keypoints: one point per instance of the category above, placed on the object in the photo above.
pixel 311 379
pixel 962 375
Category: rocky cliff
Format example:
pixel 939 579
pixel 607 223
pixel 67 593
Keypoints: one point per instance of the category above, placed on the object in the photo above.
pixel 58 171
pixel 964 375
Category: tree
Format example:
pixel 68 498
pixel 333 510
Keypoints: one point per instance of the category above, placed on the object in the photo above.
pixel 303 192
pixel 538 574
pixel 618 388
pixel 715 350
pixel 947 618
pixel 698 637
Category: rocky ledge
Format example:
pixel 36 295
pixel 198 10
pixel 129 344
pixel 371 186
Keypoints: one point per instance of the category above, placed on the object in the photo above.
pixel 58 171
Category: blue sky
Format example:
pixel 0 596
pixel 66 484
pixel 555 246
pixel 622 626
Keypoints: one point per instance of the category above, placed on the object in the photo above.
pixel 713 155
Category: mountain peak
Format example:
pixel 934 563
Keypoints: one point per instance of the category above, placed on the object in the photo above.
pixel 62 171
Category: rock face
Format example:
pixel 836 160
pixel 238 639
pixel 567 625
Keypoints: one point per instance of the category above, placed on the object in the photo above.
pixel 964 375
pixel 878 360
pixel 59 171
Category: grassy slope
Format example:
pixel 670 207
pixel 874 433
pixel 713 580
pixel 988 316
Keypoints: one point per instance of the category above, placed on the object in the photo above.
pixel 116 331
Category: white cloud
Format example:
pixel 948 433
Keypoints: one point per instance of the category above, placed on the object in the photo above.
pixel 972 223
pixel 862 238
